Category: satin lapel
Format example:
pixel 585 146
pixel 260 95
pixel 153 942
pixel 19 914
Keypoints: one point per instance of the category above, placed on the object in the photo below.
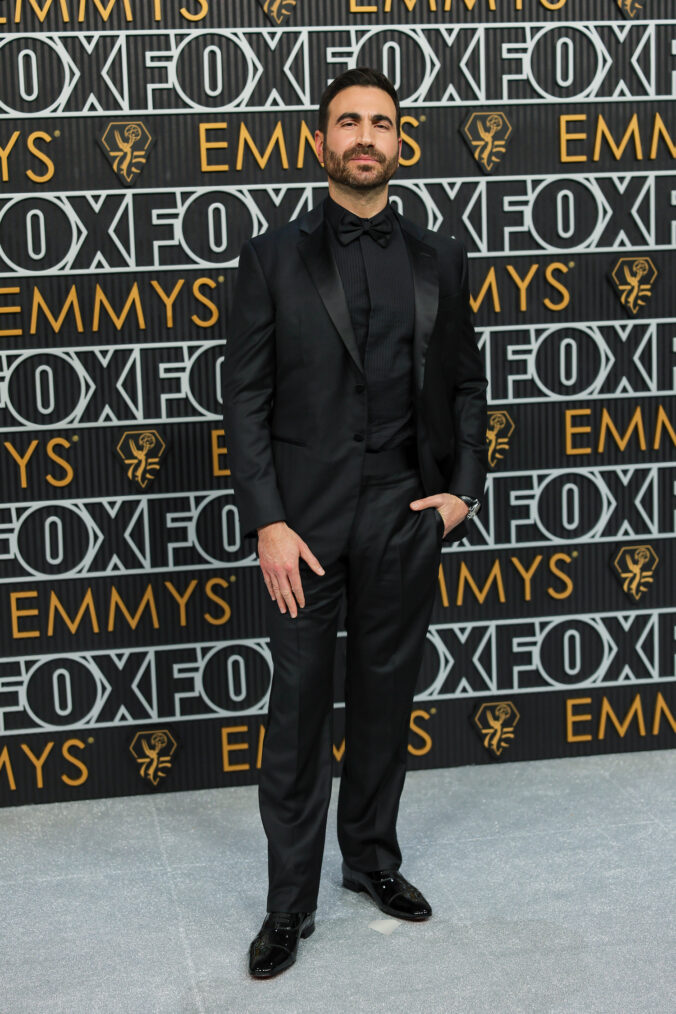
pixel 426 286
pixel 316 254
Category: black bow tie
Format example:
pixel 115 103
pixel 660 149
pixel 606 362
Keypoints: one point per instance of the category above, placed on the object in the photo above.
pixel 378 228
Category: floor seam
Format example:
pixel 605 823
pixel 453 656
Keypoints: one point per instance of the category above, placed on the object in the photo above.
pixel 181 927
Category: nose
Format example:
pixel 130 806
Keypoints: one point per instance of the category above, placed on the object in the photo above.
pixel 366 133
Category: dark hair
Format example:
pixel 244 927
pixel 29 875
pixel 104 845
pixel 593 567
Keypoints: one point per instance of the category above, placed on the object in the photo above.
pixel 361 77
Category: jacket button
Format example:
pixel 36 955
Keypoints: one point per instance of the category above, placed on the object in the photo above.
pixel 359 437
pixel 359 388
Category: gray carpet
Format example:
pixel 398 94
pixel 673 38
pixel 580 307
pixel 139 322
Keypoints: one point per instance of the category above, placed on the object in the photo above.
pixel 552 882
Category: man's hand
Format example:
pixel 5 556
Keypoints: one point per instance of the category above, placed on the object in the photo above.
pixel 279 550
pixel 453 510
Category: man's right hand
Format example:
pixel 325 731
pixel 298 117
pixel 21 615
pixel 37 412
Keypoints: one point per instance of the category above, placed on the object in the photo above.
pixel 279 550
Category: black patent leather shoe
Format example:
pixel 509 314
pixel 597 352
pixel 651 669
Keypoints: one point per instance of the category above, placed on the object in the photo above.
pixel 391 892
pixel 276 945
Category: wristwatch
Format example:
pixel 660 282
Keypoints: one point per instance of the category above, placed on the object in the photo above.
pixel 473 505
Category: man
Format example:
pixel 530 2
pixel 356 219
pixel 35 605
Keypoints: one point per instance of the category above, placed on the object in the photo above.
pixel 356 423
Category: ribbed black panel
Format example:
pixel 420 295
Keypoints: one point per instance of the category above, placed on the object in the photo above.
pixel 139 148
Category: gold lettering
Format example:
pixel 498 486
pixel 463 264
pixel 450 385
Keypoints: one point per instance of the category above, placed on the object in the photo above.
pixel 305 140
pixel 205 301
pixel 570 413
pixel 58 460
pixel 522 283
pixel 200 14
pixel 181 599
pixel 527 575
pixel 4 155
pixel 259 752
pixel 219 621
pixel 10 291
pixel 134 299
pixel 339 750
pixel 572 719
pixel 22 462
pixel 218 451
pixel 563 577
pixel 15 612
pixel 420 751
pixel 490 282
pixel 465 577
pixel 410 141
pixel 56 324
pixel 104 11
pixel 659 130
pixel 40 135
pixel 565 137
pixel 635 423
pixel 41 12
pixel 38 762
pixel 206 146
pixel 75 761
pixel 227 747
pixel 660 709
pixel 621 727
pixel 56 606
pixel 662 422
pixel 117 602
pixel 277 138
pixel 556 284
pixel 168 300
pixel 6 763
pixel 603 131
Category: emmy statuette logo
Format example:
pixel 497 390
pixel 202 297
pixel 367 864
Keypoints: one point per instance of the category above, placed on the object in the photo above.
pixel 153 750
pixel 498 435
pixel 495 723
pixel 633 278
pixel 635 566
pixel 126 145
pixel 278 10
pixel 141 451
pixel 487 135
pixel 630 8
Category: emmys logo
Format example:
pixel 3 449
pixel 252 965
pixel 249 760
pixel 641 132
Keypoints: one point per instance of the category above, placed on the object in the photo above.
pixel 498 435
pixel 496 723
pixel 636 566
pixel 153 751
pixel 278 10
pixel 141 451
pixel 126 146
pixel 487 135
pixel 630 8
pixel 634 278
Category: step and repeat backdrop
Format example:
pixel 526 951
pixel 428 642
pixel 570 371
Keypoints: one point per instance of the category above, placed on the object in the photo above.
pixel 141 142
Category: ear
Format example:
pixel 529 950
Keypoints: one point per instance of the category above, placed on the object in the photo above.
pixel 319 145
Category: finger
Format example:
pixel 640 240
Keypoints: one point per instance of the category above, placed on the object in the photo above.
pixel 297 587
pixel 420 505
pixel 268 585
pixel 287 595
pixel 311 559
pixel 277 595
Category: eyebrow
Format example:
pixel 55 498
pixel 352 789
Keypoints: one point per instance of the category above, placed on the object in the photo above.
pixel 375 118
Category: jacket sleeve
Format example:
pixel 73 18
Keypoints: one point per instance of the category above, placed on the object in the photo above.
pixel 469 404
pixel 248 385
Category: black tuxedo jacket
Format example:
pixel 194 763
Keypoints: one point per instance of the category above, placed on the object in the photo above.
pixel 294 389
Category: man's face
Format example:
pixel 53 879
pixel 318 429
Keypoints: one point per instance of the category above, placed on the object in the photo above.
pixel 361 146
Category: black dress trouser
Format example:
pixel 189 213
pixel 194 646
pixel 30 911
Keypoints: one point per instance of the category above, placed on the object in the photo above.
pixel 388 569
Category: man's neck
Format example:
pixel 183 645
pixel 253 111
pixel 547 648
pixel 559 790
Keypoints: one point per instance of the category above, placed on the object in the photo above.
pixel 363 203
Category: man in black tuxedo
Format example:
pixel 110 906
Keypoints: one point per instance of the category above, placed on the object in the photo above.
pixel 356 424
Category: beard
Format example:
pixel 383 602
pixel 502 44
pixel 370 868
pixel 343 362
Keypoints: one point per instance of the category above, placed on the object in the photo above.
pixel 359 177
